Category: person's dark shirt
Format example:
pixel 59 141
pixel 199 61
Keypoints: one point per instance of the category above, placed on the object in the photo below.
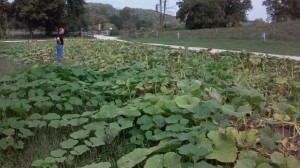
pixel 61 39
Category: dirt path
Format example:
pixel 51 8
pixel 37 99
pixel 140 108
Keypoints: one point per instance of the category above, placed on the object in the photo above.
pixel 296 58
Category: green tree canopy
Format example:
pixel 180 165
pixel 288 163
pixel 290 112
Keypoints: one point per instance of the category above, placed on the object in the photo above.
pixel 49 14
pixel 212 13
pixel 236 11
pixel 282 10
pixel 74 9
pixel 5 14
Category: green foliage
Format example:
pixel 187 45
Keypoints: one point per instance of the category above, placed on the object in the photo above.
pixel 96 165
pixel 282 10
pixel 208 14
pixel 217 114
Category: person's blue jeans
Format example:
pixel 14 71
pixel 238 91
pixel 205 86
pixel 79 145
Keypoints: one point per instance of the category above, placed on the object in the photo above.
pixel 59 54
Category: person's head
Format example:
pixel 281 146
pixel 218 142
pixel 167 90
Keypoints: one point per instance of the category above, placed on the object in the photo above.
pixel 61 30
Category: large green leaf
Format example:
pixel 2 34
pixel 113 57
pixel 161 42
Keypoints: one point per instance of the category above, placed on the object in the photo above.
pixel 131 113
pixel 245 163
pixel 55 123
pixel 205 109
pixel 18 145
pixel 20 105
pixel 133 158
pixel 95 142
pixel 79 150
pixel 153 110
pixel 224 150
pixel 173 119
pixel 250 154
pixel 108 111
pixel 58 153
pixel 246 139
pixel 268 140
pixel 68 144
pixel 4 103
pixel 68 106
pixel 35 116
pixel 8 132
pixel 172 160
pixel 241 111
pixel 192 151
pixel 125 123
pixel 44 105
pixel 51 116
pixel 137 139
pixel 156 161
pixel 95 125
pixel 175 127
pixel 264 165
pixel 98 165
pixel 39 98
pixel 75 101
pixel 159 120
pixel 77 121
pixel 293 162
pixel 24 133
pixel 213 93
pixel 81 134
pixel 6 142
pixel 278 158
pixel 202 164
pixel 54 96
pixel 15 123
pixel 186 102
pixel 145 122
pixel 36 124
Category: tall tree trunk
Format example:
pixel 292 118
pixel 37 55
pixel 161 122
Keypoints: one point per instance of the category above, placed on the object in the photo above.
pixel 2 20
pixel 164 12
pixel 161 13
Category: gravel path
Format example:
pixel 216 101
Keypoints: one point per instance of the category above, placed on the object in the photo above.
pixel 296 58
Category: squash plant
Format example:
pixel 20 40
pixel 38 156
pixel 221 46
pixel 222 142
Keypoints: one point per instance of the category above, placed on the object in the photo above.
pixel 178 108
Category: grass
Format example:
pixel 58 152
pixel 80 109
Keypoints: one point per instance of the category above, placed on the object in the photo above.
pixel 270 47
pixel 282 38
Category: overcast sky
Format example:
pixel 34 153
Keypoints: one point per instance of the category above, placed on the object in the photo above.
pixel 258 10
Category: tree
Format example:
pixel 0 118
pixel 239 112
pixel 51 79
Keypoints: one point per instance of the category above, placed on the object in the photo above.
pixel 5 11
pixel 236 11
pixel 212 13
pixel 49 14
pixel 161 8
pixel 201 13
pixel 282 10
pixel 117 21
pixel 35 13
pixel 74 9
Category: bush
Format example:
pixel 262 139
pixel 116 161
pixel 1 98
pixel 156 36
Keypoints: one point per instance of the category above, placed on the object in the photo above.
pixel 114 32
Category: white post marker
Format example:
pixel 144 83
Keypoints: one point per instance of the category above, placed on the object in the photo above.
pixel 178 35
pixel 264 36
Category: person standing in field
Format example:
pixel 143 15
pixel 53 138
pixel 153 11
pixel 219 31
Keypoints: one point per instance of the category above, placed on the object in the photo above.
pixel 59 45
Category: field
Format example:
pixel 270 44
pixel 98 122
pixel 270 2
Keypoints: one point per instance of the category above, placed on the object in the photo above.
pixel 281 38
pixel 126 105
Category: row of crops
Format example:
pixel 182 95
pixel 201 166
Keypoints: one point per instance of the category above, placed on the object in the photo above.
pixel 149 107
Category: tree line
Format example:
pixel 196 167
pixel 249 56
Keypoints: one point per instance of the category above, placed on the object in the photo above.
pixel 33 14
pixel 77 14
pixel 222 13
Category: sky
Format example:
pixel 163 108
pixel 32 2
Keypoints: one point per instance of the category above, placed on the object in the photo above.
pixel 258 10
